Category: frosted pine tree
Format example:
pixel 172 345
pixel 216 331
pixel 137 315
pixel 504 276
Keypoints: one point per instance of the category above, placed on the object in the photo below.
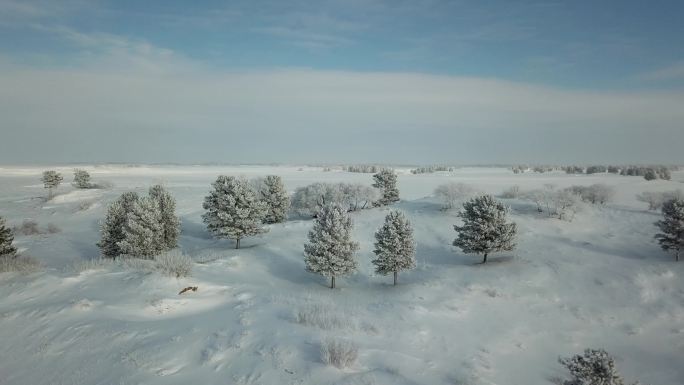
pixel 394 246
pixel 272 192
pixel 7 249
pixel 81 179
pixel 169 220
pixel 485 229
pixel 233 210
pixel 143 230
pixel 331 250
pixel 51 180
pixel 594 367
pixel 111 229
pixel 386 181
pixel 672 226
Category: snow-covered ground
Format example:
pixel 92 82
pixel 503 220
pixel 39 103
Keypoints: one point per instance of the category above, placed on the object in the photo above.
pixel 599 281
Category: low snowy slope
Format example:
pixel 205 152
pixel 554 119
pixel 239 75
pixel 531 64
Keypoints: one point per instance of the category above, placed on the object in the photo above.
pixel 259 318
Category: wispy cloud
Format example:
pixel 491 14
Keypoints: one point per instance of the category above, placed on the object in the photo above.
pixel 672 72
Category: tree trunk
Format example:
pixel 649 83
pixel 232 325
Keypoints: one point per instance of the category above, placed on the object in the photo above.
pixel 237 243
pixel 395 278
pixel 332 282
pixel 485 258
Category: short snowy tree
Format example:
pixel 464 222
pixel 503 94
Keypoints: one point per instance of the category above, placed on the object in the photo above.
pixel 233 210
pixel 51 180
pixel 386 181
pixel 594 367
pixel 485 228
pixel 565 204
pixel 7 249
pixel 81 179
pixel 451 194
pixel 271 191
pixel 111 230
pixel 169 220
pixel 330 251
pixel 143 230
pixel 394 246
pixel 672 226
pixel 655 200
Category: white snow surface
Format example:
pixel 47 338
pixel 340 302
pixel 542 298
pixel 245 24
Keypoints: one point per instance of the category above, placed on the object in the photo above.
pixel 600 281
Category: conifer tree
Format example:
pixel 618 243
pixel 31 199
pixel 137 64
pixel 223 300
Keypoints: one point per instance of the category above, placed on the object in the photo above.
pixel 394 246
pixel 169 220
pixel 485 229
pixel 233 210
pixel 7 249
pixel 51 180
pixel 330 251
pixel 272 191
pixel 81 179
pixel 112 228
pixel 672 226
pixel 386 181
pixel 143 230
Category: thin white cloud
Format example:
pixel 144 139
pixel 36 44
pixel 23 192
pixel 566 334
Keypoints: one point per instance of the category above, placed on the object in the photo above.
pixel 672 72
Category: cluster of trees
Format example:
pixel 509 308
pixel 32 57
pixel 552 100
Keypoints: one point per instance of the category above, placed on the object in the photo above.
pixel 564 203
pixel 51 180
pixel 363 168
pixel 7 248
pixel 520 169
pixel 140 227
pixel 331 251
pixel 237 208
pixel 82 179
pixel 649 173
pixel 431 169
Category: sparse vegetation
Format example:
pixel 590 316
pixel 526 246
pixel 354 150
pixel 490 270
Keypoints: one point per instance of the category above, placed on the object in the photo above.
pixel 339 353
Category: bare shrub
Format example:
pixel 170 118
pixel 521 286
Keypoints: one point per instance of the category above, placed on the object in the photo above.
pixel 339 353
pixel 27 227
pixel 511 193
pixel 84 205
pixel 174 263
pixel 452 193
pixel 655 200
pixel 320 317
pixel 53 229
pixel 21 264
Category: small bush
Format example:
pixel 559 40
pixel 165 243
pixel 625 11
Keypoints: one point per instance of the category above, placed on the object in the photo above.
pixel 320 317
pixel 20 264
pixel 511 193
pixel 53 229
pixel 174 264
pixel 339 353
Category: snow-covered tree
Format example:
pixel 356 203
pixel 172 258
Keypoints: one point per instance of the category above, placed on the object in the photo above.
pixel 485 228
pixel 672 226
pixel 452 193
pixel 386 181
pixel 170 222
pixel 565 204
pixel 51 180
pixel 271 191
pixel 655 200
pixel 308 200
pixel 594 367
pixel 233 210
pixel 394 246
pixel 650 174
pixel 143 231
pixel 81 179
pixel 111 229
pixel 330 251
pixel 7 249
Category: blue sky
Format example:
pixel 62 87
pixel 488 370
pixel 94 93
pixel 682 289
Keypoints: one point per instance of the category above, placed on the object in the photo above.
pixel 626 54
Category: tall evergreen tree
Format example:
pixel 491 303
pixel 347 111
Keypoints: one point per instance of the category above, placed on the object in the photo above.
pixel 81 179
pixel 143 230
pixel 386 181
pixel 394 246
pixel 111 229
pixel 272 191
pixel 7 249
pixel 51 180
pixel 672 226
pixel 169 220
pixel 233 210
pixel 331 250
pixel 485 229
